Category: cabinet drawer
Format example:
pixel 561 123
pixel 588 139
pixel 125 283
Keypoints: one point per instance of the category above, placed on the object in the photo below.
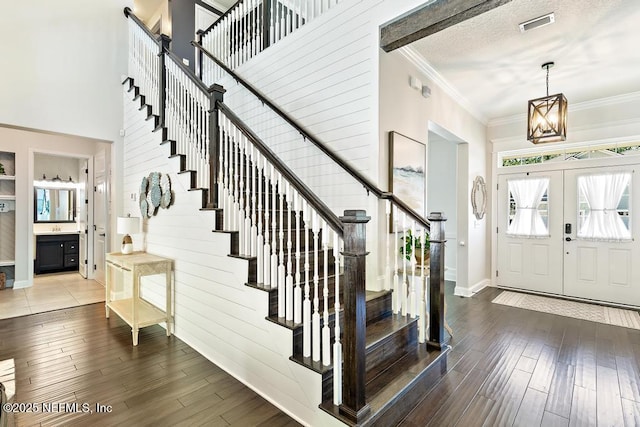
pixel 71 248
pixel 71 260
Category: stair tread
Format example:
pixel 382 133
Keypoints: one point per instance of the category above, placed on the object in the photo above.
pixel 383 328
pixel 419 369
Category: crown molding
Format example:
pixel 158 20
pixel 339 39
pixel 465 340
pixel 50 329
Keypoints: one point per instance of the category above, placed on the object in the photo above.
pixel 580 106
pixel 414 57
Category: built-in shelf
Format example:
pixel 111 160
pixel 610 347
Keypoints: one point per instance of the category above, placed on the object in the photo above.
pixel 7 177
pixel 7 262
pixel 4 197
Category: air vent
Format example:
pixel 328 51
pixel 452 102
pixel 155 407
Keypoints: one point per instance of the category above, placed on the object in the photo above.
pixel 537 22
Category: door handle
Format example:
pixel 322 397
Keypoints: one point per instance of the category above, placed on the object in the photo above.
pixel 102 234
pixel 568 239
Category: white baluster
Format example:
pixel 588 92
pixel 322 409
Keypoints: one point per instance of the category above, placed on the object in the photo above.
pixel 247 198
pixel 274 245
pixel 422 312
pixel 387 273
pixel 315 320
pixel 253 191
pixel 267 242
pixel 326 332
pixel 289 277
pixel 282 288
pixel 403 294
pixel 297 292
pixel 337 345
pixel 306 307
pixel 260 239
pixel 413 307
pixel 396 280
pixel 234 165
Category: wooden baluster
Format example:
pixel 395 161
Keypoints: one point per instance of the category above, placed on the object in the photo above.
pixel 396 279
pixel 387 272
pixel 337 345
pixel 260 238
pixel 274 245
pixel 289 277
pixel 315 319
pixel 267 242
pixel 326 332
pixel 412 286
pixel 297 291
pixel 403 287
pixel 306 306
pixel 282 289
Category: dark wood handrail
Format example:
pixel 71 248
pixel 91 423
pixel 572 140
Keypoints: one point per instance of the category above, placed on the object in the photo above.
pixel 368 185
pixel 327 214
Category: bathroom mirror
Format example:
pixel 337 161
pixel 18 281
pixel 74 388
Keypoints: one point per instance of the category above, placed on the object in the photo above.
pixel 54 205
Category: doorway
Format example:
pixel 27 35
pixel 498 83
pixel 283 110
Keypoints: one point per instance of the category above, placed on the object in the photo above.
pixel 571 232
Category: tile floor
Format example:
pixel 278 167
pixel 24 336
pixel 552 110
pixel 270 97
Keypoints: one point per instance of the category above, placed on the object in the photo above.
pixel 50 292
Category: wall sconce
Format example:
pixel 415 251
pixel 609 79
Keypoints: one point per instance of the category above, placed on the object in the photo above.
pixel 547 116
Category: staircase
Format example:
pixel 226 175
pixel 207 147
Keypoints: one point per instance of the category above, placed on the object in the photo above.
pixel 370 347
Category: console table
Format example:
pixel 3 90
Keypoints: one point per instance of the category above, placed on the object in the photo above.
pixel 136 311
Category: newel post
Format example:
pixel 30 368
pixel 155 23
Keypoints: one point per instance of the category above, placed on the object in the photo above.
pixel 216 94
pixel 165 42
pixel 354 404
pixel 436 281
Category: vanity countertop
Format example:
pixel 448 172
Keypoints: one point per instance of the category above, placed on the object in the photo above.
pixel 54 233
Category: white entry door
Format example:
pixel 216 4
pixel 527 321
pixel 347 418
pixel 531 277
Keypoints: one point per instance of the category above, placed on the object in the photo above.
pixel 602 217
pixel 530 232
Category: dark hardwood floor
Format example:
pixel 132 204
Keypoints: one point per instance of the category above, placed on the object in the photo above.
pixel 508 367
pixel 515 367
pixel 76 355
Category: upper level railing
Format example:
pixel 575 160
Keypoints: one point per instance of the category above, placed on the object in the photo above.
pixel 283 223
pixel 250 26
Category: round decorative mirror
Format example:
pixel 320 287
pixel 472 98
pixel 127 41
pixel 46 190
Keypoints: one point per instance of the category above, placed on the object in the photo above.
pixel 479 197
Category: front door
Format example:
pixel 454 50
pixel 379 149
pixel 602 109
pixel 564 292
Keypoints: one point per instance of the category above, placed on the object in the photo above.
pixel 571 233
pixel 601 260
pixel 530 231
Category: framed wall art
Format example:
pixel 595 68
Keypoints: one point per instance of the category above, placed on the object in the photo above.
pixel 407 172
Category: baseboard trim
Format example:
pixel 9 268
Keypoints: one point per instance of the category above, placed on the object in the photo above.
pixel 450 274
pixel 468 292
pixel 21 284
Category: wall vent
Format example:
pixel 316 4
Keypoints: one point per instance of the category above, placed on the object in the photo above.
pixel 538 22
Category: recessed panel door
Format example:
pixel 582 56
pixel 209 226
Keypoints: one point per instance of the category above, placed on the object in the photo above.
pixel 530 233
pixel 602 249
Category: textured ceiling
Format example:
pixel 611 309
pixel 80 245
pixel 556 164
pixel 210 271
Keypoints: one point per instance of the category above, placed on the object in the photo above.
pixel 595 45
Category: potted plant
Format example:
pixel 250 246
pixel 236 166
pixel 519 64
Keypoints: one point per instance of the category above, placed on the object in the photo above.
pixel 422 248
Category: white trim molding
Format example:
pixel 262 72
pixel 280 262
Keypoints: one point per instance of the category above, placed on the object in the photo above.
pixel 468 292
pixel 414 57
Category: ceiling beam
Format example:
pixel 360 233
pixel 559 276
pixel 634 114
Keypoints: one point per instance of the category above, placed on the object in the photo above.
pixel 431 18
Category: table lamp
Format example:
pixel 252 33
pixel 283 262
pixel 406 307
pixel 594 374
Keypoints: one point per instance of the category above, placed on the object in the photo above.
pixel 127 225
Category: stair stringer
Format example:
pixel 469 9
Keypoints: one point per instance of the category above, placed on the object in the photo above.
pixel 215 312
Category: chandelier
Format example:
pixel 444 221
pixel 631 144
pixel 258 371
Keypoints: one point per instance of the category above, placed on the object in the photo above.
pixel 547 116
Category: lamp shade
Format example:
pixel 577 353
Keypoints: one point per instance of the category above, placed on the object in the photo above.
pixel 128 225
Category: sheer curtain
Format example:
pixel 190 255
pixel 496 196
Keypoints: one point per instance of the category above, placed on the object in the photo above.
pixel 527 194
pixel 603 194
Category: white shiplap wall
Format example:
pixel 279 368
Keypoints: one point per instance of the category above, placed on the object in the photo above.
pixel 215 312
